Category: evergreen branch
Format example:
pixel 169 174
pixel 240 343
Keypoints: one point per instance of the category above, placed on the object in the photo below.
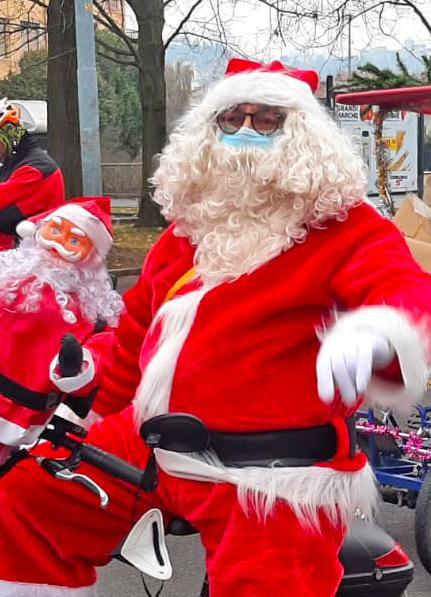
pixel 402 66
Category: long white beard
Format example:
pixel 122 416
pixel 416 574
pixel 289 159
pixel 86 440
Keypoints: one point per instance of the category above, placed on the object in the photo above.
pixel 237 219
pixel 26 270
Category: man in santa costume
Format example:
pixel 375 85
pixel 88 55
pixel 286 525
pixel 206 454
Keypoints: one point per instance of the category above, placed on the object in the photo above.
pixel 53 285
pixel 272 305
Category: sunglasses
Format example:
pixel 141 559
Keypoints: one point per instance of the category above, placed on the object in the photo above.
pixel 265 121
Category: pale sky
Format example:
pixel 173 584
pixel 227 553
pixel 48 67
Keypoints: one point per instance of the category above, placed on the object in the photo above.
pixel 251 23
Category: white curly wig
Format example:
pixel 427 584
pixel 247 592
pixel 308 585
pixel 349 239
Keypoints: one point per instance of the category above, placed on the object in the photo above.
pixel 242 207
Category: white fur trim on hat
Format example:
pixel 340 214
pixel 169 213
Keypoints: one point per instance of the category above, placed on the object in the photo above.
pixel 90 224
pixel 259 87
pixel 26 229
pixel 409 343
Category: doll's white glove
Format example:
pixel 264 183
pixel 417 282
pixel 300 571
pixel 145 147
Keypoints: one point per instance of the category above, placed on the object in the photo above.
pixel 347 360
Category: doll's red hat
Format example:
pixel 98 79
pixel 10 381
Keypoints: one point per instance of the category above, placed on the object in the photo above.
pixel 90 214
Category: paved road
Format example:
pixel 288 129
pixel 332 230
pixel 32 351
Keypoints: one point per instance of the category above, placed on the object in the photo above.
pixel 187 557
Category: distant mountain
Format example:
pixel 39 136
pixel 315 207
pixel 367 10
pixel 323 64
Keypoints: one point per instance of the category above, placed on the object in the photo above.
pixel 209 61
pixel 381 57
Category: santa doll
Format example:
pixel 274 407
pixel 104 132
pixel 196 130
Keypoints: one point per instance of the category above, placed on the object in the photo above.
pixel 57 309
pixel 276 301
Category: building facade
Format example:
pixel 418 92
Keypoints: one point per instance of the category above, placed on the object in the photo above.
pixel 23 28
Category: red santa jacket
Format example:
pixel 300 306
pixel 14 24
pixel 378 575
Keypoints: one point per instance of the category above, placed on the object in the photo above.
pixel 30 183
pixel 249 360
pixel 29 342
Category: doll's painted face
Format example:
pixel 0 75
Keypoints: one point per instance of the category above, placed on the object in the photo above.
pixel 65 239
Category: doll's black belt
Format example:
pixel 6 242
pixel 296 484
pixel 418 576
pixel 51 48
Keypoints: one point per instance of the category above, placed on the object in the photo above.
pixel 44 401
pixel 39 401
pixel 286 447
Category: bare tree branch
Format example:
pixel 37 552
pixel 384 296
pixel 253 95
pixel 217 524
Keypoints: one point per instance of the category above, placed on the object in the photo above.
pixel 182 23
pixel 420 14
pixel 40 3
pixel 117 60
pixel 17 48
pixel 116 29
pixel 111 48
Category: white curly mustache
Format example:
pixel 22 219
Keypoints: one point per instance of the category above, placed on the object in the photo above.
pixel 71 256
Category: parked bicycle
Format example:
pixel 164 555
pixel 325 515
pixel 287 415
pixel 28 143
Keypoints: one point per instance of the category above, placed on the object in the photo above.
pixel 401 460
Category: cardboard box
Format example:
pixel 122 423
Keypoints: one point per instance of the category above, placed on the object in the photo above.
pixel 413 218
pixel 427 188
pixel 421 251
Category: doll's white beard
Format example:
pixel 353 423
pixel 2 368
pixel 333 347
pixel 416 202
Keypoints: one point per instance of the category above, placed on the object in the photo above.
pixel 26 270
pixel 239 219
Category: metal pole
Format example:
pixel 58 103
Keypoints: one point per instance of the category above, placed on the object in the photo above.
pixel 421 154
pixel 349 31
pixel 88 101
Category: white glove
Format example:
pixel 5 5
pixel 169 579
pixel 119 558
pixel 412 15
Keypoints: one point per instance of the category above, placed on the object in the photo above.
pixel 347 361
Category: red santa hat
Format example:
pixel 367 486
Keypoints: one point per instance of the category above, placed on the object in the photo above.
pixel 91 214
pixel 255 82
pixel 238 65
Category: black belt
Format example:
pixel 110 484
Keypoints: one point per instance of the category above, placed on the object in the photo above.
pixel 286 447
pixel 39 401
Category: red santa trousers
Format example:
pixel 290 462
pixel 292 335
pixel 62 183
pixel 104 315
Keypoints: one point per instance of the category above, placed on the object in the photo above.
pixel 54 533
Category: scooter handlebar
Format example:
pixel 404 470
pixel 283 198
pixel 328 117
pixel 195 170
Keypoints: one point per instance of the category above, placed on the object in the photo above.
pixel 111 464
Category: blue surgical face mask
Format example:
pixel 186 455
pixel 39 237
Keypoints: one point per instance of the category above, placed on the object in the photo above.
pixel 246 137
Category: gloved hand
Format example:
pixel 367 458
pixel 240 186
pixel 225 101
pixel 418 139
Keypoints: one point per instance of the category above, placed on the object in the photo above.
pixel 73 367
pixel 70 357
pixel 346 361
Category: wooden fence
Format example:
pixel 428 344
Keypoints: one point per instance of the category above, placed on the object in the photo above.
pixel 122 179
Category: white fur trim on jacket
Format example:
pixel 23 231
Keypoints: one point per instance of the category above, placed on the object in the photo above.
pixel 14 435
pixel 20 589
pixel 408 340
pixel 72 384
pixel 65 412
pixel 177 317
pixel 306 489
